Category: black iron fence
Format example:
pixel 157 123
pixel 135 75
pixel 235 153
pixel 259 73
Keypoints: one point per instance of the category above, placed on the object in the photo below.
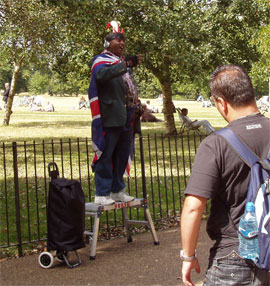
pixel 161 166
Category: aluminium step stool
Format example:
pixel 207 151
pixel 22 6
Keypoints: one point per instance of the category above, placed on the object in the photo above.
pixel 96 210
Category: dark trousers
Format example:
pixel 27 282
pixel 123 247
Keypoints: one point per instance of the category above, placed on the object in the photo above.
pixel 110 167
pixel 5 99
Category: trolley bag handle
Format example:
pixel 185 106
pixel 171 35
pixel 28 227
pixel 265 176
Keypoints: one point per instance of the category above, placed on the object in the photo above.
pixel 53 173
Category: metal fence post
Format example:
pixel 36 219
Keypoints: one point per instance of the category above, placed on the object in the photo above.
pixel 16 221
pixel 17 199
pixel 142 166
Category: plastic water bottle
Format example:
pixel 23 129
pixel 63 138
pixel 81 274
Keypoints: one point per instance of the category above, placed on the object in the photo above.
pixel 249 247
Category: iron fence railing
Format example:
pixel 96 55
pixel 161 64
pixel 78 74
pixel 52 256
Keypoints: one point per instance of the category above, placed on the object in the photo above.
pixel 160 170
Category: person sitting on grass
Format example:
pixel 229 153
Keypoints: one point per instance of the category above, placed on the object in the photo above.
pixel 49 107
pixel 152 109
pixel 204 123
pixel 82 103
pixel 148 116
pixel 206 103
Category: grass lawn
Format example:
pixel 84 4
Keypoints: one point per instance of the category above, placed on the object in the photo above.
pixel 69 122
pixel 167 162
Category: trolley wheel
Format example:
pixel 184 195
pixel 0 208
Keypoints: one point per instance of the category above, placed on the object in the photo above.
pixel 45 259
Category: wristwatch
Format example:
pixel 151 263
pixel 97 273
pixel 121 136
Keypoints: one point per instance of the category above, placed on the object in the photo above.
pixel 187 258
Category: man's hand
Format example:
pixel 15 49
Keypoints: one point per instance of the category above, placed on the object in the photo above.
pixel 186 271
pixel 133 61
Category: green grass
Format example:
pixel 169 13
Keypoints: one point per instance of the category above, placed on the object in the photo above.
pixel 66 122
pixel 164 170
pixel 167 163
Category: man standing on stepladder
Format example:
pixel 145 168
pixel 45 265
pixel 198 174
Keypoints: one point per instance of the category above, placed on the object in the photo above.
pixel 113 101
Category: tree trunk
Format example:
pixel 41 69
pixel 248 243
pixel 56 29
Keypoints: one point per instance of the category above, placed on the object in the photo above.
pixel 168 108
pixel 8 112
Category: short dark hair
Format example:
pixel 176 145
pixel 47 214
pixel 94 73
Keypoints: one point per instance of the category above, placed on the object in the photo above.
pixel 113 36
pixel 233 83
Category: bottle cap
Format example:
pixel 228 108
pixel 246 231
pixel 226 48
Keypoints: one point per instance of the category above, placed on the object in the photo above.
pixel 250 207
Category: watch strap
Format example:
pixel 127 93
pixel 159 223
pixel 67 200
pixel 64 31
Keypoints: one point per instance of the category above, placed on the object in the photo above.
pixel 187 258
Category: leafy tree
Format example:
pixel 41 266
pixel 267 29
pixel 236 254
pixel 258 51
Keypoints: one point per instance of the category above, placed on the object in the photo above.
pixel 28 31
pixel 38 83
pixel 260 72
pixel 5 72
pixel 165 51
pixel 182 41
pixel 162 31
pixel 148 85
pixel 235 28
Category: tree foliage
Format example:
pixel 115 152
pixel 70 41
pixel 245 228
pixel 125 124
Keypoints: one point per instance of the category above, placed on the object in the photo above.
pixel 182 40
pixel 160 30
pixel 260 71
pixel 28 31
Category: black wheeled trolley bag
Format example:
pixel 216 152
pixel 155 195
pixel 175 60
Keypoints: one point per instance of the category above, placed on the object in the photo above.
pixel 65 220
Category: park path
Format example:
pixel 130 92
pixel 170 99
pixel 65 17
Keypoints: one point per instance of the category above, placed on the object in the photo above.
pixel 117 263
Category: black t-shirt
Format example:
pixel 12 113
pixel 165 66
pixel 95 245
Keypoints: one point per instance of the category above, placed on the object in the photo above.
pixel 220 175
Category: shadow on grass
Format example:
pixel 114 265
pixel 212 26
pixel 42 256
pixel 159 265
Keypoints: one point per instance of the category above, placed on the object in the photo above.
pixel 46 124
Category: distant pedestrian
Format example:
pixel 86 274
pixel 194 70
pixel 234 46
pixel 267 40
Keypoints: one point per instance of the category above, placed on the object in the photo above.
pixel 199 97
pixel 6 94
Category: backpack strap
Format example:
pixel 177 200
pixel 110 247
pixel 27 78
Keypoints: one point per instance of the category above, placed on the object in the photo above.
pixel 243 152
pixel 239 147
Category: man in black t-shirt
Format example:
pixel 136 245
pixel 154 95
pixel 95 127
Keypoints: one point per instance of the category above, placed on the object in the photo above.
pixel 218 174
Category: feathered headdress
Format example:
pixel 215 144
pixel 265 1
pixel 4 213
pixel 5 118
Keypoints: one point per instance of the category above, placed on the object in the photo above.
pixel 115 25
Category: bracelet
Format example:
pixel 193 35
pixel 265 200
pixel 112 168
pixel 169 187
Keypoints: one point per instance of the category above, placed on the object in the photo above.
pixel 187 258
